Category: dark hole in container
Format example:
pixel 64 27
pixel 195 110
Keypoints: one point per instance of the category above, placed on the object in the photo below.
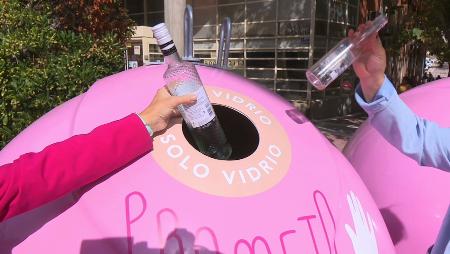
pixel 239 130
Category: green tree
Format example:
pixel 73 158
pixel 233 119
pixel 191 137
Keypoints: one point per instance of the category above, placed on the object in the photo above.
pixel 43 64
pixel 433 28
pixel 95 17
pixel 427 23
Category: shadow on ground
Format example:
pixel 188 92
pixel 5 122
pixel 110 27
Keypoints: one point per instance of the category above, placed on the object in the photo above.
pixel 340 129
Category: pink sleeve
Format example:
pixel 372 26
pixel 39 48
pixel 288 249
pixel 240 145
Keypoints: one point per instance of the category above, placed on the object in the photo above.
pixel 37 178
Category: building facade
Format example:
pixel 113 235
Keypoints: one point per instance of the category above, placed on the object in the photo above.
pixel 273 41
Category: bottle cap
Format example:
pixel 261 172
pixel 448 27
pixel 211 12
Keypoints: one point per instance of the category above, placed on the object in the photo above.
pixel 163 37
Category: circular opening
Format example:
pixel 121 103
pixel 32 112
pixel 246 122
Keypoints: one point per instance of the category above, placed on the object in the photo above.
pixel 241 133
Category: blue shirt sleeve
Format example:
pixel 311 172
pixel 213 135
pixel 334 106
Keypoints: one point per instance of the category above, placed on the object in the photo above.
pixel 422 140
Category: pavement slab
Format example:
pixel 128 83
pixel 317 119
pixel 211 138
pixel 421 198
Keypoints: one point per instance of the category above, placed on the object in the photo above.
pixel 339 130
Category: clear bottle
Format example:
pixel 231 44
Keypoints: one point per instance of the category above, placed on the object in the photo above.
pixel 182 78
pixel 339 58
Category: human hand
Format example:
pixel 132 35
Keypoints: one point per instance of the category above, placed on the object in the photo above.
pixel 163 108
pixel 371 65
pixel 363 237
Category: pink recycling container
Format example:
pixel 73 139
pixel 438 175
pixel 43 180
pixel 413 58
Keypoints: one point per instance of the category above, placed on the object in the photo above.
pixel 286 188
pixel 412 199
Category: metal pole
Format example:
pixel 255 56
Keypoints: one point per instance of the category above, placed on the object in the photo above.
pixel 311 55
pixel 227 23
pixel 188 32
pixel 224 44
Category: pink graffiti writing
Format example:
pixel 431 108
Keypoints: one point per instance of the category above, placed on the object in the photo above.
pixel 137 201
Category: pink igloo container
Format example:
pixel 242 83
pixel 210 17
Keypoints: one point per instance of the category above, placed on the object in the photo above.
pixel 286 189
pixel 412 199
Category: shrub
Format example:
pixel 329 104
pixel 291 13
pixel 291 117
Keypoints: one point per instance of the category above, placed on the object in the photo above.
pixel 41 65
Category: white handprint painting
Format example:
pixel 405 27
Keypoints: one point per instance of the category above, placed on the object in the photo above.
pixel 363 234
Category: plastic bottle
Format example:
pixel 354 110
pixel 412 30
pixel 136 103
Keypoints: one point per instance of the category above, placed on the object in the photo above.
pixel 339 58
pixel 182 78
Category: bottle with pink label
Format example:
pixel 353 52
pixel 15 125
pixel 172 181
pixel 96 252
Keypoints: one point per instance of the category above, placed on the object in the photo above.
pixel 182 78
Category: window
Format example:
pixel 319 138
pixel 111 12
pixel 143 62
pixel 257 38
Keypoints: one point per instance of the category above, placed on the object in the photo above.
pixel 291 74
pixel 321 28
pixel 236 54
pixel 260 43
pixel 294 9
pixel 205 16
pixel 202 3
pixel 155 18
pixel 266 83
pixel 292 64
pixel 260 63
pixel 338 30
pixel 353 15
pixel 203 55
pixel 291 86
pixel 263 11
pixel 320 42
pixel 293 54
pixel 261 29
pixel 229 1
pixel 263 54
pixel 236 44
pixel 237 30
pixel 239 71
pixel 318 53
pixel 294 28
pixel 204 45
pixel 153 48
pixel 155 5
pixel 235 12
pixel 205 32
pixel 150 14
pixel 134 6
pixel 271 38
pixel 338 12
pixel 263 74
pixel 156 58
pixel 322 9
pixel 293 43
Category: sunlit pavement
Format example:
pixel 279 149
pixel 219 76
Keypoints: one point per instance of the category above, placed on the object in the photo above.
pixel 340 129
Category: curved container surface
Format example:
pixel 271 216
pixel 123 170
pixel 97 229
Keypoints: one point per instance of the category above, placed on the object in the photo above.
pixel 295 193
pixel 412 199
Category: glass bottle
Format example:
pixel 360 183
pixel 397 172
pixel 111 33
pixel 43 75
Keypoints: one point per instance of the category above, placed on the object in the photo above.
pixel 339 58
pixel 182 78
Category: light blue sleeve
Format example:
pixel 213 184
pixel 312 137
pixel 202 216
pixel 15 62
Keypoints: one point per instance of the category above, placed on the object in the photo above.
pixel 420 139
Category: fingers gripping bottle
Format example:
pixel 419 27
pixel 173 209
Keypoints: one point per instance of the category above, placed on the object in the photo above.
pixel 182 78
pixel 339 58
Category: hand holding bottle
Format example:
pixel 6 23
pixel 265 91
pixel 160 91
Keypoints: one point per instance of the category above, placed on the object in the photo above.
pixel 371 64
pixel 347 51
pixel 163 108
pixel 182 78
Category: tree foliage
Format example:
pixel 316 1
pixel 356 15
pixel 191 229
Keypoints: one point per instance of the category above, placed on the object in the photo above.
pixel 95 17
pixel 43 63
pixel 433 28
pixel 426 23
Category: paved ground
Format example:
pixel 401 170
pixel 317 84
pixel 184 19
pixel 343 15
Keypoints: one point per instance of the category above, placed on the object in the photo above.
pixel 339 129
